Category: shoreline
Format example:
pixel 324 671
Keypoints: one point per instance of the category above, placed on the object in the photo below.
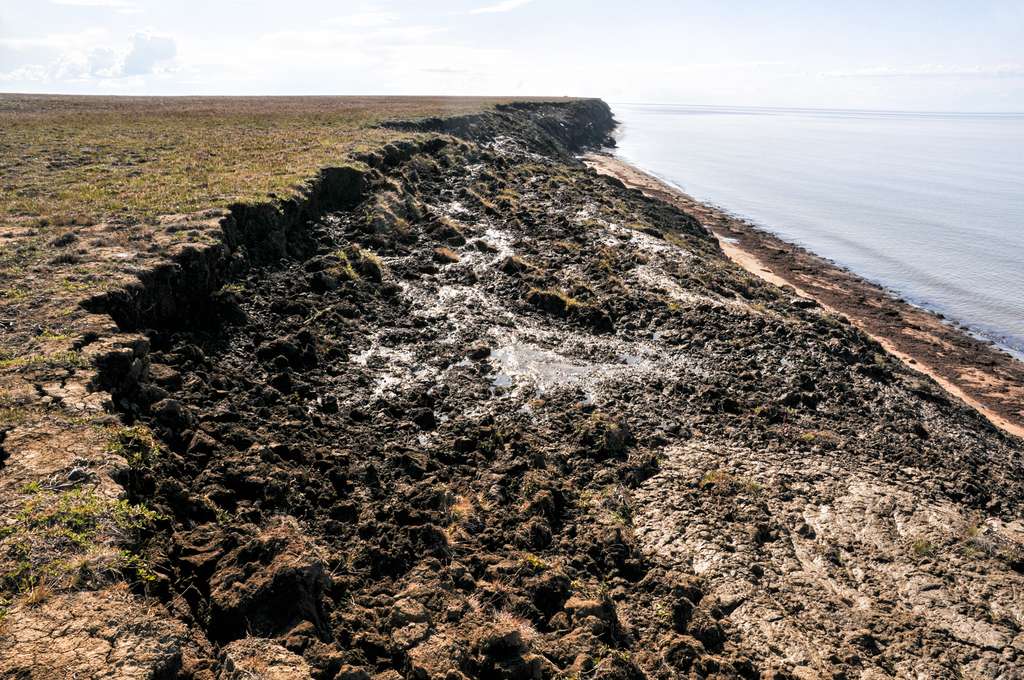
pixel 984 377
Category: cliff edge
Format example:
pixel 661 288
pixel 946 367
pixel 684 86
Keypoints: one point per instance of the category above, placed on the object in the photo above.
pixel 468 409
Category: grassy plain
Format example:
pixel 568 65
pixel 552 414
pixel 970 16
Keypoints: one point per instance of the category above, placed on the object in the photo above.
pixel 68 160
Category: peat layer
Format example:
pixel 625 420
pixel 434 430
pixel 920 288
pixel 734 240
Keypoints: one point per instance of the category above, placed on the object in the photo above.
pixel 474 410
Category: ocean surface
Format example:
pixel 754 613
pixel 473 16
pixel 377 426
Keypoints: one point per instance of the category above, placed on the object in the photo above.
pixel 928 205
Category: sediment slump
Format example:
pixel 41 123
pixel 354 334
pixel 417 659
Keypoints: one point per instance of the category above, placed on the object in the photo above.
pixel 471 410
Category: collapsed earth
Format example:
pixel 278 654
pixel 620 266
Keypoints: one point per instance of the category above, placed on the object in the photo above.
pixel 466 408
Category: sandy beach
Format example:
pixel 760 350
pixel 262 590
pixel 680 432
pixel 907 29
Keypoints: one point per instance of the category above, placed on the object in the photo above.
pixel 981 375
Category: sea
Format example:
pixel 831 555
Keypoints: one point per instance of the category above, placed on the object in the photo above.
pixel 928 205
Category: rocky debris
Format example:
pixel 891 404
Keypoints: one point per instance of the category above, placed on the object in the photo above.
pixel 268 584
pixel 586 446
pixel 261 659
pixel 547 128
pixel 831 567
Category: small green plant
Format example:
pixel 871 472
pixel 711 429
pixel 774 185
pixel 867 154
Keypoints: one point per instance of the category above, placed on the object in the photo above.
pixel 623 515
pixel 344 268
pixel 62 540
pixel 752 487
pixel 12 413
pixel 725 483
pixel 533 562
pixel 824 438
pixel 49 334
pixel 136 444
pixel 32 487
pixel 922 547
pixel 135 565
pixel 717 480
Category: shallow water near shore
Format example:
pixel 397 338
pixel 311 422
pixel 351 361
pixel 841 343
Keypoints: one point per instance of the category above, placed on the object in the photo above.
pixel 928 205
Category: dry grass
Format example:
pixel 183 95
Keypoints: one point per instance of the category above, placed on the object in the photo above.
pixel 80 160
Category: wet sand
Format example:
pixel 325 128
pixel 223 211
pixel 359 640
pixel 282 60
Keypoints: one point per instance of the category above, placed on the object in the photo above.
pixel 981 375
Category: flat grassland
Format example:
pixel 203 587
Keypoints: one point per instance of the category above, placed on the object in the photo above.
pixel 68 160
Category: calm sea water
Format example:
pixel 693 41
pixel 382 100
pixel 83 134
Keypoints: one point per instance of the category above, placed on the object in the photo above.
pixel 929 205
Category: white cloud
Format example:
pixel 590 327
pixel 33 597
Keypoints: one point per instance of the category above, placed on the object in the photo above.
pixel 506 6
pixel 123 6
pixel 933 71
pixel 104 62
pixel 147 52
pixel 33 73
pixel 80 60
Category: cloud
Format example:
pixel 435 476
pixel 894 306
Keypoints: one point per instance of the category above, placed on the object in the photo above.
pixel 104 62
pixel 364 20
pixel 506 6
pixel 933 71
pixel 77 62
pixel 123 6
pixel 148 51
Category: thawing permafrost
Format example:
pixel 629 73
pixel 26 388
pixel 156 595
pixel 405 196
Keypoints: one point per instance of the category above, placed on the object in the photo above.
pixel 521 365
pixel 809 555
pixel 503 145
pixel 526 361
pixel 501 240
pixel 654 279
pixel 394 367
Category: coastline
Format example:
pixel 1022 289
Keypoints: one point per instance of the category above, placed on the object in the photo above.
pixel 467 409
pixel 985 378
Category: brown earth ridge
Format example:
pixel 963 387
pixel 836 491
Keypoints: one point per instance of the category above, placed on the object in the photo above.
pixel 469 409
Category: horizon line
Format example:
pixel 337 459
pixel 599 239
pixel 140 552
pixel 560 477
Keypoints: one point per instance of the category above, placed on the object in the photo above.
pixel 611 102
pixel 815 108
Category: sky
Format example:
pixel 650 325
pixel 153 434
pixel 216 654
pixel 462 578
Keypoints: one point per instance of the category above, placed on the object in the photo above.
pixel 916 55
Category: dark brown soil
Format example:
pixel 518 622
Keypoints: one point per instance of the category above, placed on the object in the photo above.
pixel 396 464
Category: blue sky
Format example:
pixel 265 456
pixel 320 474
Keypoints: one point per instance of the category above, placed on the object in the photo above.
pixel 906 55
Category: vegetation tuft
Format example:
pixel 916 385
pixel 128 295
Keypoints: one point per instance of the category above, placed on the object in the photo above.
pixel 68 540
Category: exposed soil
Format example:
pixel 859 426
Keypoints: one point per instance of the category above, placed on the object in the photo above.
pixel 482 412
pixel 976 371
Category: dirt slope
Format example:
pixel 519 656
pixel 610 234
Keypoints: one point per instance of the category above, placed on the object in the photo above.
pixel 476 411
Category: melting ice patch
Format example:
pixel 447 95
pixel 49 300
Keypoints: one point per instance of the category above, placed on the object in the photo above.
pixel 518 365
pixel 393 367
pixel 501 240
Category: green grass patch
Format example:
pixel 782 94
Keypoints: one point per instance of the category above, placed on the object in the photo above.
pixel 61 540
pixel 922 548
pixel 135 444
pixel 66 359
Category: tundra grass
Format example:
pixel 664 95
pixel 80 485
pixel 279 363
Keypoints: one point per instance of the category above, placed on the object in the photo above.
pixel 81 160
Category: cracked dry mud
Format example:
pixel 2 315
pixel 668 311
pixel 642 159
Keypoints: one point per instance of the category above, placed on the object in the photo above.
pixel 504 418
